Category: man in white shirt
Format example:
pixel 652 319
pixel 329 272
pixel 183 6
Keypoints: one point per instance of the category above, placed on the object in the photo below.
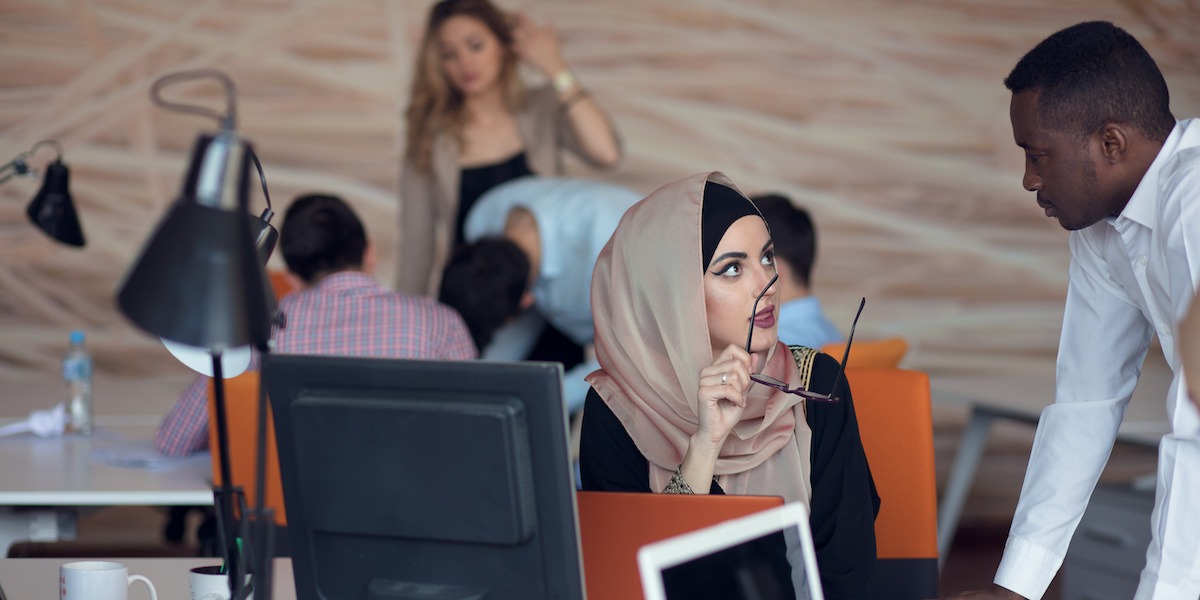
pixel 1109 161
pixel 533 242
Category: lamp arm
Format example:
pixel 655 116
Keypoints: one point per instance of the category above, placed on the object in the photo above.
pixel 225 493
pixel 19 166
pixel 227 121
pixel 15 167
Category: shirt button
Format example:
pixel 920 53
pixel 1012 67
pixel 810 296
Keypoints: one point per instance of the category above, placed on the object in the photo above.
pixel 1164 332
pixel 1142 260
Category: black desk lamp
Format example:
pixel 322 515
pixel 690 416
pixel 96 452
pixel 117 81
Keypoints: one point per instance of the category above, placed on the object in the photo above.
pixel 52 209
pixel 200 281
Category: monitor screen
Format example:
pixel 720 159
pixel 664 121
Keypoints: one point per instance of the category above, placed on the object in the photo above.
pixel 412 479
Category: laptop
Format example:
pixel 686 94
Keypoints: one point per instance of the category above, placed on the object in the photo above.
pixel 764 556
pixel 614 525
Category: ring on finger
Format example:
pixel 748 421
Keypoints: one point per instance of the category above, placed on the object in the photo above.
pixel 725 378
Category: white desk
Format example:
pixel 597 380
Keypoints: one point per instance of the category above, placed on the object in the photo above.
pixel 44 481
pixel 1021 399
pixel 37 578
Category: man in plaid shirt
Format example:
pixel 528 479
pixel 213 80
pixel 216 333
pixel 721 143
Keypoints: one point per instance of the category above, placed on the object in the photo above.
pixel 342 310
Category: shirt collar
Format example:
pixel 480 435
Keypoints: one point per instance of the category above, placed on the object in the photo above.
pixel 1143 204
pixel 345 281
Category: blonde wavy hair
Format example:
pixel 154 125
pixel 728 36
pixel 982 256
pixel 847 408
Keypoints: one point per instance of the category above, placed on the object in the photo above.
pixel 435 106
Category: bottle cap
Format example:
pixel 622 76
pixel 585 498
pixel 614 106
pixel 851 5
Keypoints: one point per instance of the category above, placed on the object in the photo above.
pixel 77 337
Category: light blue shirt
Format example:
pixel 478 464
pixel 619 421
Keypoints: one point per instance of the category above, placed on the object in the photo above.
pixel 575 219
pixel 802 322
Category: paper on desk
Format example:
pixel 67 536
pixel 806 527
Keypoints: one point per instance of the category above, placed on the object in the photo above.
pixel 142 455
pixel 43 423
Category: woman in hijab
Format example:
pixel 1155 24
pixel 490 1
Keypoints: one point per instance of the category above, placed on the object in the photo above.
pixel 686 277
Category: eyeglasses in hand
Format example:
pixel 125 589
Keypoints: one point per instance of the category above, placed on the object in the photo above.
pixel 782 386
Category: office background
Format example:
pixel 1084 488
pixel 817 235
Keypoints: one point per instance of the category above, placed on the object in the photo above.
pixel 888 120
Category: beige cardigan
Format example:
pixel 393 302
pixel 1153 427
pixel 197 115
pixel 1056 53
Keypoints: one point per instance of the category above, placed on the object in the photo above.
pixel 429 201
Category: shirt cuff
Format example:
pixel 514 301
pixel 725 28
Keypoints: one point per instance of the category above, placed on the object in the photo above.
pixel 1026 568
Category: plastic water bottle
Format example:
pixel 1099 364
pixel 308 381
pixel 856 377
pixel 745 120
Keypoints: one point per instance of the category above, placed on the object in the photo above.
pixel 77 372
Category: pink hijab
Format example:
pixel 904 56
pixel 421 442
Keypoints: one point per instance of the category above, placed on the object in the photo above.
pixel 652 340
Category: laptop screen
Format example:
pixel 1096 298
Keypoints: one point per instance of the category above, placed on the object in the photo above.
pixel 764 556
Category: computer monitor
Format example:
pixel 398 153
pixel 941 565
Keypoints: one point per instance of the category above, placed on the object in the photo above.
pixel 413 479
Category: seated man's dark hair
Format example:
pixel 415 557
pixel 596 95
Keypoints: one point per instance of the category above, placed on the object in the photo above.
pixel 321 235
pixel 484 282
pixel 792 231
pixel 1091 74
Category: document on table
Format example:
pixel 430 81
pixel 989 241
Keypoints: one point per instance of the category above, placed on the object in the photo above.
pixel 141 454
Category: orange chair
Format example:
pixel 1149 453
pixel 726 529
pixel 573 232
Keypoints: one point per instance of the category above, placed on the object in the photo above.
pixel 613 525
pixel 872 354
pixel 896 425
pixel 281 283
pixel 241 411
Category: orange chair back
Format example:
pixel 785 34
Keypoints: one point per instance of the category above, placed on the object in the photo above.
pixel 281 284
pixel 896 425
pixel 241 410
pixel 870 354
pixel 613 525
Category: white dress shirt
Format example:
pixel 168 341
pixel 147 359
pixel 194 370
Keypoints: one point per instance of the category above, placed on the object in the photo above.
pixel 1130 277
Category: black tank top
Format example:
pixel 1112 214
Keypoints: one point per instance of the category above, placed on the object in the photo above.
pixel 475 181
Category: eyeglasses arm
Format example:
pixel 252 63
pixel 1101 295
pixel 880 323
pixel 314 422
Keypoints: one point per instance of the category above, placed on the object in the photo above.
pixel 846 352
pixel 754 311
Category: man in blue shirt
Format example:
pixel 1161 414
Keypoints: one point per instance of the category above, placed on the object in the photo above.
pixel 801 320
pixel 533 243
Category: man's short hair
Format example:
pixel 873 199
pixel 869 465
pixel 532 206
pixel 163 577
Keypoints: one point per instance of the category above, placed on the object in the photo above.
pixel 1091 74
pixel 484 282
pixel 321 235
pixel 792 231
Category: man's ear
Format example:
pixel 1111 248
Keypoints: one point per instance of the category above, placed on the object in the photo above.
pixel 526 301
pixel 369 259
pixel 1114 142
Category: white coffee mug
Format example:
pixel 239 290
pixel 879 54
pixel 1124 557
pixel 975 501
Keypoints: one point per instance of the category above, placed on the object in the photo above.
pixel 97 580
pixel 209 583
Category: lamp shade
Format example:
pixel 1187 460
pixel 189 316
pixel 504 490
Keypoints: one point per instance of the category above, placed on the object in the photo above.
pixel 199 280
pixel 52 209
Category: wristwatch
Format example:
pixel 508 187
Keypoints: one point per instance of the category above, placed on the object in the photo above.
pixel 563 81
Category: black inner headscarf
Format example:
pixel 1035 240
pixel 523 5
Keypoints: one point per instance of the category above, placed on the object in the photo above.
pixel 722 207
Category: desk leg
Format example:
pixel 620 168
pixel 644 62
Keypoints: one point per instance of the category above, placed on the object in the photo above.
pixel 34 525
pixel 958 485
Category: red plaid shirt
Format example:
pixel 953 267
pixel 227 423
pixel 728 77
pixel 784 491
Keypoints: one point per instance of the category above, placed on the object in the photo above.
pixel 345 314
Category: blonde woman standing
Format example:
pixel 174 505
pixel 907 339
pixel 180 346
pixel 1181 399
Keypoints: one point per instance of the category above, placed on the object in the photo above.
pixel 471 125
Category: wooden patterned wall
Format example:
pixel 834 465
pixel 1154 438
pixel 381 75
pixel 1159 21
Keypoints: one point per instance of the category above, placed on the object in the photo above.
pixel 887 119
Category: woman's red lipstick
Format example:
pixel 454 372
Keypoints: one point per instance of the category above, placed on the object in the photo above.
pixel 765 318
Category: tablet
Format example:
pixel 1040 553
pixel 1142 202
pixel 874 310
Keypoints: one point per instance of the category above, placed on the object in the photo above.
pixel 764 556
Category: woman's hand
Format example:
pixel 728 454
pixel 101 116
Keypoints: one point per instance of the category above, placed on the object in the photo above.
pixel 538 45
pixel 594 133
pixel 720 400
pixel 721 396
